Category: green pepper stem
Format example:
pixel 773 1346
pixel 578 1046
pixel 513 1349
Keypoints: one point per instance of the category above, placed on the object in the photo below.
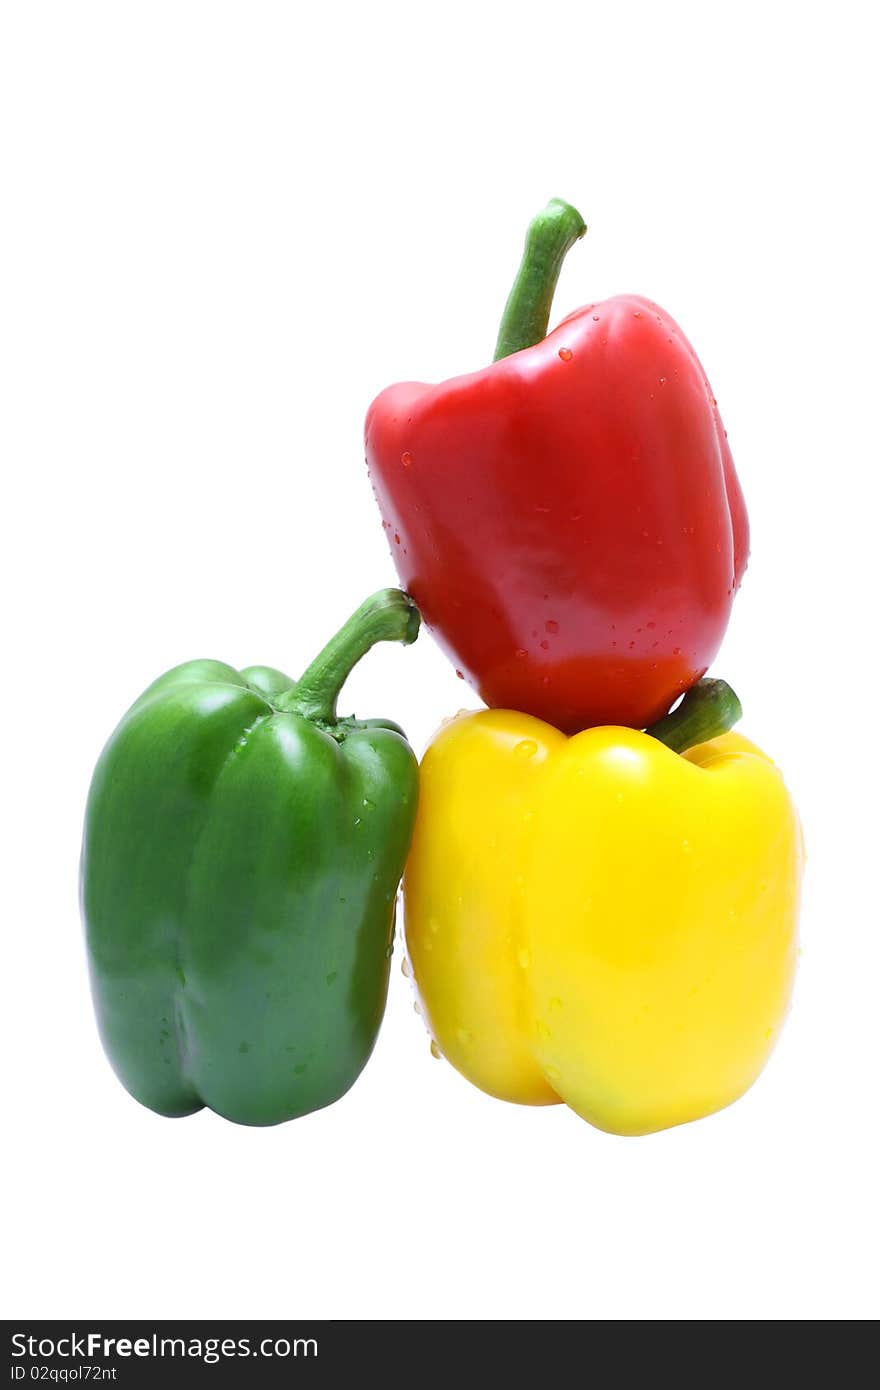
pixel 708 709
pixel 550 237
pixel 388 616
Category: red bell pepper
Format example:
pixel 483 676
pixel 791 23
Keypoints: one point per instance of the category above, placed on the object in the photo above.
pixel 568 519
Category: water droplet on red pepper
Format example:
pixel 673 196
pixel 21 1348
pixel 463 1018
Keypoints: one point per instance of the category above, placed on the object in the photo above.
pixel 459 674
pixel 565 354
pixel 552 625
pixel 406 458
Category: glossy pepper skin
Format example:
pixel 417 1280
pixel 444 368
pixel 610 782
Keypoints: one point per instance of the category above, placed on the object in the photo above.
pixel 243 847
pixel 568 518
pixel 599 920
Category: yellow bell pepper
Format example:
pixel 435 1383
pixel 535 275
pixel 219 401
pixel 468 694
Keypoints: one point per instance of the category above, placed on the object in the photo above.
pixel 600 920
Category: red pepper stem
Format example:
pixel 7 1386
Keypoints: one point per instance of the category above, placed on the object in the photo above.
pixel 388 616
pixel 550 237
pixel 708 709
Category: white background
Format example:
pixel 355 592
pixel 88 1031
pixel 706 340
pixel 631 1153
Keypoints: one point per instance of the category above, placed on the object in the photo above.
pixel 226 227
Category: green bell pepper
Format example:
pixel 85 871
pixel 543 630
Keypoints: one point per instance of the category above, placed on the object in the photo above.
pixel 242 852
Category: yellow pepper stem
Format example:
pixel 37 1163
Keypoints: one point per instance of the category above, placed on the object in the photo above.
pixel 708 709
